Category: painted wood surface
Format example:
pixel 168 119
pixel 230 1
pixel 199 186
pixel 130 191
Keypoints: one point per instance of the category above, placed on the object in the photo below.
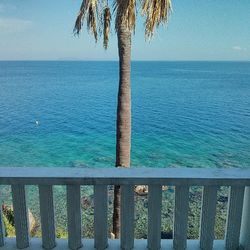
pixel 245 227
pixel 154 216
pixel 101 217
pixel 181 217
pixel 208 212
pixel 47 216
pixel 74 217
pixel 20 216
pixel 62 244
pixel 234 218
pixel 154 178
pixel 127 217
pixel 132 176
pixel 1 227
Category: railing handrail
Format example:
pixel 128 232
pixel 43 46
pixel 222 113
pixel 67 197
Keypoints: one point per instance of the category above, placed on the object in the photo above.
pixel 122 176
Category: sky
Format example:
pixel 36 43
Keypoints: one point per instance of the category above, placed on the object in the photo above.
pixel 197 30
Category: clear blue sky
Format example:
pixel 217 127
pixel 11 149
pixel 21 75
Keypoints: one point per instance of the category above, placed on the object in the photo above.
pixel 198 30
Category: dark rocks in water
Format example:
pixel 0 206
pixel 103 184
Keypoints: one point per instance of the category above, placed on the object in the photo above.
pixel 82 166
pixel 223 199
pixel 78 165
pixel 145 204
pixel 167 235
pixel 87 202
pixel 164 235
pixel 195 194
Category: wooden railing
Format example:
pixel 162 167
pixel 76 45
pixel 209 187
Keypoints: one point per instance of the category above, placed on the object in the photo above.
pixel 238 219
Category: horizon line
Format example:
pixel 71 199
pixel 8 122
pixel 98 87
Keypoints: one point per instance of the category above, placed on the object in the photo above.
pixel 100 60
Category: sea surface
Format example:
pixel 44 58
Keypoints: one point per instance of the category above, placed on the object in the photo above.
pixel 184 114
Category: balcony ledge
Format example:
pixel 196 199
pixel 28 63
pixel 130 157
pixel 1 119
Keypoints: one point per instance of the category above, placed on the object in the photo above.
pixel 88 244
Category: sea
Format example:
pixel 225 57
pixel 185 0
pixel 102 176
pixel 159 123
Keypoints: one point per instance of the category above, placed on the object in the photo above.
pixel 184 114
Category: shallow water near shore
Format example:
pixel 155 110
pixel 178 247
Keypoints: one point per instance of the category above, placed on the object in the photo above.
pixel 185 114
pixel 141 211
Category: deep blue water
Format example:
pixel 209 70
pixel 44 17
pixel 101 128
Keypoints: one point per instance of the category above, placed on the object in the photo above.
pixel 185 114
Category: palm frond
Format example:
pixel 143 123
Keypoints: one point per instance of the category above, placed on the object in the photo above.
pixel 88 9
pixel 106 26
pixel 156 12
pixel 92 18
pixel 79 18
pixel 99 22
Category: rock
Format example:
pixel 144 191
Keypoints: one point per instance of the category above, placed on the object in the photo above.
pixel 112 236
pixel 33 225
pixel 9 215
pixel 141 190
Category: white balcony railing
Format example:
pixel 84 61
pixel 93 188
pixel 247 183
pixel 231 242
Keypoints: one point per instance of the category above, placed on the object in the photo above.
pixel 238 219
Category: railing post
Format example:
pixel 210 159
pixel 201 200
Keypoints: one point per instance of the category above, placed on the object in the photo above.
pixel 101 216
pixel 208 213
pixel 47 216
pixel 20 216
pixel 1 228
pixel 181 217
pixel 154 217
pixel 74 216
pixel 245 226
pixel 234 217
pixel 127 217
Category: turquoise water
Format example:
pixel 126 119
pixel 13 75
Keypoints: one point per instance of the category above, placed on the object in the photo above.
pixel 185 114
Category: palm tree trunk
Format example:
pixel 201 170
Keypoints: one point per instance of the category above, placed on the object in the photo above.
pixel 123 122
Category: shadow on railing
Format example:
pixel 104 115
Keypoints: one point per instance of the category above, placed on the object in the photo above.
pixel 238 216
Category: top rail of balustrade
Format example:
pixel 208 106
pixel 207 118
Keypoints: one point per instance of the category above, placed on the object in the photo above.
pixel 120 176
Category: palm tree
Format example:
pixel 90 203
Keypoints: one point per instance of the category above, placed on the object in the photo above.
pixel 98 16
